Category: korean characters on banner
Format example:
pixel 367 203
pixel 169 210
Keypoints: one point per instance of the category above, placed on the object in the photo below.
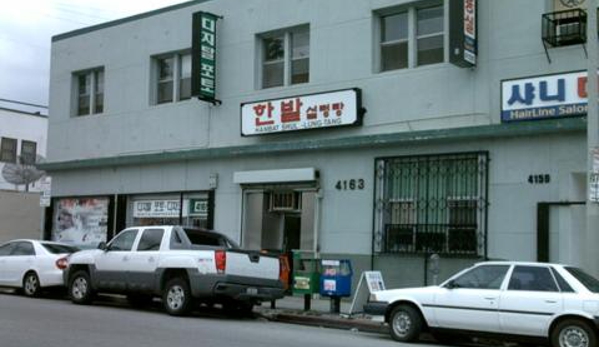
pixel 203 61
pixel 544 97
pixel 324 110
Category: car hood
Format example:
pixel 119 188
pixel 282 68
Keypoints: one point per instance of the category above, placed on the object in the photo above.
pixel 418 294
pixel 84 257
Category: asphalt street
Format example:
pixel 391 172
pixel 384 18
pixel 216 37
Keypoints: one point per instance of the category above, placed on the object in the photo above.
pixel 53 322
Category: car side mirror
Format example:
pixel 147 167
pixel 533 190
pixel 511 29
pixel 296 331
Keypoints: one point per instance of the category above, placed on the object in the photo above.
pixel 450 285
pixel 103 246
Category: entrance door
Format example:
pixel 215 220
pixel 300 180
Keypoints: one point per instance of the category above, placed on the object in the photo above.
pixel 279 219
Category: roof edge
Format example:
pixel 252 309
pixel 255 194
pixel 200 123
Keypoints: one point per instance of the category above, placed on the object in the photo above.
pixel 574 124
pixel 116 22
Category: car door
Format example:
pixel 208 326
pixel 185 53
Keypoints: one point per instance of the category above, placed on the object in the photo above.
pixel 531 299
pixel 5 251
pixel 144 260
pixel 21 259
pixel 471 301
pixel 113 264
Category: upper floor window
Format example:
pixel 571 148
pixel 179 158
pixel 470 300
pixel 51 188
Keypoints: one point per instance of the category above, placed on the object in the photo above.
pixel 285 57
pixel 90 92
pixel 173 82
pixel 28 152
pixel 8 150
pixel 412 36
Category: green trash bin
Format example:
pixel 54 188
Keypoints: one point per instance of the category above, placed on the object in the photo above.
pixel 306 276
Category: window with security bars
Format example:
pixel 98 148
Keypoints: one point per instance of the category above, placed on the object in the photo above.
pixel 432 204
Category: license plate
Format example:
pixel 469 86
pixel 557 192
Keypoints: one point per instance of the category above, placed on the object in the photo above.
pixel 252 291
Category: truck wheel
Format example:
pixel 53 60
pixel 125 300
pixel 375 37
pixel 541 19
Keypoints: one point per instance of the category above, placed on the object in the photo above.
pixel 80 289
pixel 31 285
pixel 406 323
pixel 573 333
pixel 176 297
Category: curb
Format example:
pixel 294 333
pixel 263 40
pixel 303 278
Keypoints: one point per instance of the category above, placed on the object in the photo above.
pixel 327 322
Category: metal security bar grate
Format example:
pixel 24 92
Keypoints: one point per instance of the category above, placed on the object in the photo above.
pixel 564 28
pixel 432 204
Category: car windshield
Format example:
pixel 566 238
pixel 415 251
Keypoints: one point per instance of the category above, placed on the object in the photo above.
pixel 590 282
pixel 59 249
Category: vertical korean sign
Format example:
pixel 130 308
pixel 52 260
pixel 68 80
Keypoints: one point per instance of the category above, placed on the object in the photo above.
pixel 462 33
pixel 203 61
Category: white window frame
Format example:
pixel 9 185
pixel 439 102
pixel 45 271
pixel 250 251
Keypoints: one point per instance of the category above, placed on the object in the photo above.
pixel 93 90
pixel 287 55
pixel 176 79
pixel 412 11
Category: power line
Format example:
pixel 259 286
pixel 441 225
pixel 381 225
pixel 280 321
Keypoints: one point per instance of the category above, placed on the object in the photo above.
pixel 23 103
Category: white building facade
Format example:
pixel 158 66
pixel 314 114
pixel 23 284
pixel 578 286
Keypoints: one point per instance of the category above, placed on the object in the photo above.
pixel 22 139
pixel 381 132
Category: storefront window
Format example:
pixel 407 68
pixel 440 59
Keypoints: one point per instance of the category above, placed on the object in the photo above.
pixel 81 221
pixel 166 209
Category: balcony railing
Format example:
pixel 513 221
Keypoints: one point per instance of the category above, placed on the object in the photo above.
pixel 564 28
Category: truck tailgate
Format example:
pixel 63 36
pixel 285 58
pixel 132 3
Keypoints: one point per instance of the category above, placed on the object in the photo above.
pixel 252 264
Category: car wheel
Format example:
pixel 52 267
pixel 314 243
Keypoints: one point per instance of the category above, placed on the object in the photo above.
pixel 176 297
pixel 80 289
pixel 31 285
pixel 406 323
pixel 573 333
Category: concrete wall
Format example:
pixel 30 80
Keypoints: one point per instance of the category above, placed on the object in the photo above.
pixel 20 215
pixel 342 55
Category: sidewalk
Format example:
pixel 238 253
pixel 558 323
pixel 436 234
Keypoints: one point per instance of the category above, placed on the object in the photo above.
pixel 290 309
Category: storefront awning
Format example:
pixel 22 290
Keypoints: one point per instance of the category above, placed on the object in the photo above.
pixel 275 176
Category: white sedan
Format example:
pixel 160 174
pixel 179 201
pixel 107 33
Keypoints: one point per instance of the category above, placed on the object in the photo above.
pixel 32 265
pixel 528 302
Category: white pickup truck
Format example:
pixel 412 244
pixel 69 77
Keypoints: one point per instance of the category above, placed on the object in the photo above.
pixel 181 265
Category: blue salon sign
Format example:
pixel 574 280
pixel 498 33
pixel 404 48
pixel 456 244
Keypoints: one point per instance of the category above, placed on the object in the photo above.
pixel 543 97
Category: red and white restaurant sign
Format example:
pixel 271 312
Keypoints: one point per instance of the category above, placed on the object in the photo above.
pixel 313 111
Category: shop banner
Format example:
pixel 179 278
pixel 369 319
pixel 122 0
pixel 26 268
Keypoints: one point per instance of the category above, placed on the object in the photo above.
pixel 324 110
pixel 203 60
pixel 462 32
pixel 543 97
pixel 81 221
pixel 158 208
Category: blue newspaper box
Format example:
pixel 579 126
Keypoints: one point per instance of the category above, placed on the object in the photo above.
pixel 335 278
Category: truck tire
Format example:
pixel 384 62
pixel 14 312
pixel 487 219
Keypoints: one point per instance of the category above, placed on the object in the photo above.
pixel 405 323
pixel 80 288
pixel 176 297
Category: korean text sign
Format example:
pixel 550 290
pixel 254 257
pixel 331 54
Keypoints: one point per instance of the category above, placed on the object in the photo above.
pixel 544 97
pixel 204 56
pixel 295 113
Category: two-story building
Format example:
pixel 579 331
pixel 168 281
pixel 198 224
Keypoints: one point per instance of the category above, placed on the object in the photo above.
pixel 380 131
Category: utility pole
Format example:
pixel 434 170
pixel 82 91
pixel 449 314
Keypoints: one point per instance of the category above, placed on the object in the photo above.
pixel 592 232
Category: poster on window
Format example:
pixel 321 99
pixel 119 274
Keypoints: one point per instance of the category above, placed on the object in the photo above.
pixel 81 221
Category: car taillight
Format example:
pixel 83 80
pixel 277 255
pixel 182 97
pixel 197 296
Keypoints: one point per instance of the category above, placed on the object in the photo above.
pixel 220 258
pixel 62 263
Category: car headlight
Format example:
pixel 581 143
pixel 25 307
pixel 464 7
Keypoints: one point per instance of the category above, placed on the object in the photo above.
pixel 372 297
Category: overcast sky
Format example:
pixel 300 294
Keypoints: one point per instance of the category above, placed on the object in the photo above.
pixel 26 30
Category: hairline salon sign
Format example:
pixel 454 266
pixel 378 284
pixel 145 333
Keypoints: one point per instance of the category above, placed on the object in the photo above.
pixel 302 112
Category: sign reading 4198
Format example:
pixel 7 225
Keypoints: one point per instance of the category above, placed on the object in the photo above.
pixel 351 184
